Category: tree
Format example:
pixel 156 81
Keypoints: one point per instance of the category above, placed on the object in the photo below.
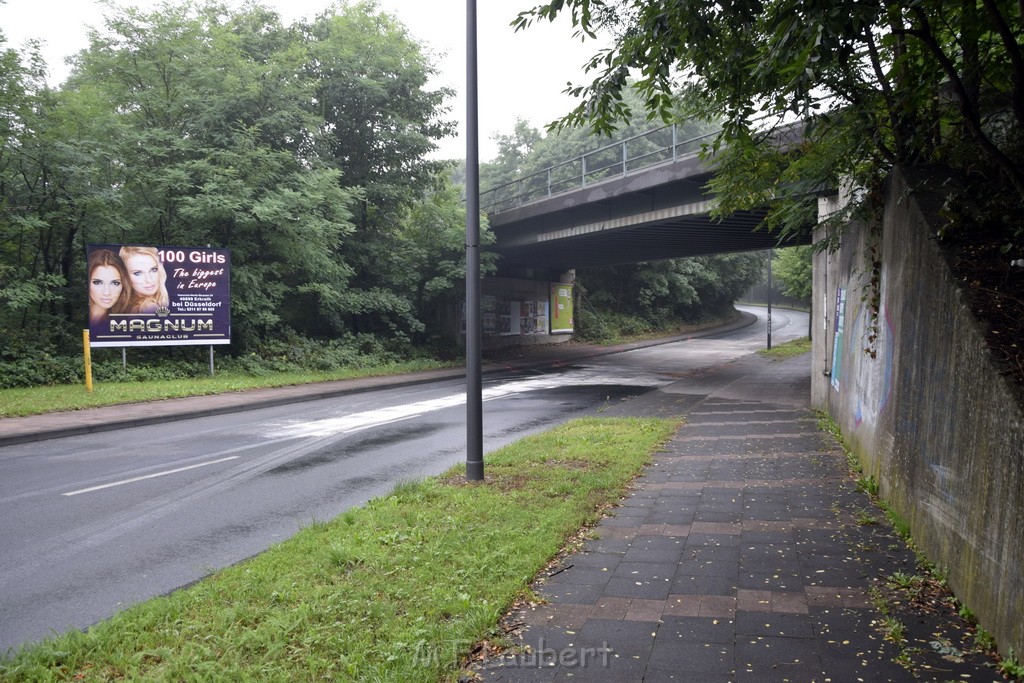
pixel 379 123
pixel 792 268
pixel 215 138
pixel 433 242
pixel 663 292
pixel 301 148
pixel 878 83
pixel 57 182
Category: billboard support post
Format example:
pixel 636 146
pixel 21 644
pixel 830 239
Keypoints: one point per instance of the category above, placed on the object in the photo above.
pixel 124 359
pixel 211 360
pixel 87 353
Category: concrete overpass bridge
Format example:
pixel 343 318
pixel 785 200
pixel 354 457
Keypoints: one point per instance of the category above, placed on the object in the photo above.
pixel 641 199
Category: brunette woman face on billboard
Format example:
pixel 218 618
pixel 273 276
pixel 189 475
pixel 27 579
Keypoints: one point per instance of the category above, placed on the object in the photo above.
pixel 107 284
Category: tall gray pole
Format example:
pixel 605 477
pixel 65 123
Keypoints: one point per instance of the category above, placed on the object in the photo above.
pixel 474 386
pixel 770 253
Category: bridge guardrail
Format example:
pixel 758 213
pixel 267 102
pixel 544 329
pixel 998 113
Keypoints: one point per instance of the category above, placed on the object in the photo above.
pixel 619 159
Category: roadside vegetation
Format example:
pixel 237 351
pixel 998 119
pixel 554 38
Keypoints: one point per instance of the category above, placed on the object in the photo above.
pixel 790 349
pixel 397 590
pixel 47 399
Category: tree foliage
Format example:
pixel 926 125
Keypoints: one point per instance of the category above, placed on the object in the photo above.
pixel 302 148
pixel 660 292
pixel 877 83
pixel 527 150
pixel 792 268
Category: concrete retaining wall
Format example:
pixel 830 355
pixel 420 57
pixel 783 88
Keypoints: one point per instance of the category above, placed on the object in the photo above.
pixel 916 394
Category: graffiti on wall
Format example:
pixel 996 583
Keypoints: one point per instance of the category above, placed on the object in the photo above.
pixel 863 350
pixel 837 338
pixel 872 383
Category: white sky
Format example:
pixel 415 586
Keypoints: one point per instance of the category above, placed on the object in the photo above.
pixel 520 74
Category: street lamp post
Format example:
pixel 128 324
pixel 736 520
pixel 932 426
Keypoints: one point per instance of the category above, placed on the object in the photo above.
pixel 770 254
pixel 474 386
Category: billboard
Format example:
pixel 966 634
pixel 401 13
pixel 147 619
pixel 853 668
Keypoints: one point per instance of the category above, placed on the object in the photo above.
pixel 158 296
pixel 561 308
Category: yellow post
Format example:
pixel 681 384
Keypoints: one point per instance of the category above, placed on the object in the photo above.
pixel 88 361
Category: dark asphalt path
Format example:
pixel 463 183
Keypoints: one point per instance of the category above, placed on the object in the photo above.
pixel 96 522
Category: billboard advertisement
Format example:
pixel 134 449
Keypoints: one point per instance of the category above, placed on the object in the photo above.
pixel 158 295
pixel 561 308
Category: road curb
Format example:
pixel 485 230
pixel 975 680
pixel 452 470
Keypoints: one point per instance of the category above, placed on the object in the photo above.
pixel 28 433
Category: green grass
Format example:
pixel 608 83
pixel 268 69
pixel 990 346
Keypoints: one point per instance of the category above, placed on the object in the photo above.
pixel 398 590
pixel 36 400
pixel 790 349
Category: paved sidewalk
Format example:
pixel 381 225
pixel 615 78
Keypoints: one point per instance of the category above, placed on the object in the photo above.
pixel 736 557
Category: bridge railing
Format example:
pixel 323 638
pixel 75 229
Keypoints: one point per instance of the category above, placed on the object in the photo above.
pixel 618 159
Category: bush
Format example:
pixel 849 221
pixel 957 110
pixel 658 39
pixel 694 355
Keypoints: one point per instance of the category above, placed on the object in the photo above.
pixel 608 326
pixel 23 366
pixel 39 368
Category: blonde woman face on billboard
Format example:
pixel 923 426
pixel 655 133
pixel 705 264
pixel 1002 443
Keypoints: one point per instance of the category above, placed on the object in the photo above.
pixel 105 286
pixel 144 272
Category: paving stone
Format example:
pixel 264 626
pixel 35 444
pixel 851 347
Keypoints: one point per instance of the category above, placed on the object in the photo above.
pixel 697 630
pixel 772 581
pixel 645 571
pixel 575 594
pixel 697 539
pixel 626 638
pixel 606 545
pixel 690 584
pixel 594 559
pixel 652 589
pixel 770 624
pixel 578 575
pixel 776 657
pixel 549 639
pixel 655 555
pixel 694 658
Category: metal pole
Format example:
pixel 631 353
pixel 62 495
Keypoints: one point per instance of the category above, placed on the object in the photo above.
pixel 770 253
pixel 87 358
pixel 124 358
pixel 474 385
pixel 211 360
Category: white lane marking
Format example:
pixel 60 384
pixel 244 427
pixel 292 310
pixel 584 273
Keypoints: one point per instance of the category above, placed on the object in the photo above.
pixel 148 476
pixel 355 422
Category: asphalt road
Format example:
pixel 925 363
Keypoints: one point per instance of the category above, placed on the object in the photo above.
pixel 95 523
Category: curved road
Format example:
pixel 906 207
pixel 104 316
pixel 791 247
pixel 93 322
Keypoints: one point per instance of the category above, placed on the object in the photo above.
pixel 98 522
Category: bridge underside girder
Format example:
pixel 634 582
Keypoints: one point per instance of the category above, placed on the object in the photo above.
pixel 658 213
pixel 679 237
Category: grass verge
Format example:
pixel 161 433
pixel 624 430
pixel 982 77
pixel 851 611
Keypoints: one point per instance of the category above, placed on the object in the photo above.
pixel 37 400
pixel 794 347
pixel 396 590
